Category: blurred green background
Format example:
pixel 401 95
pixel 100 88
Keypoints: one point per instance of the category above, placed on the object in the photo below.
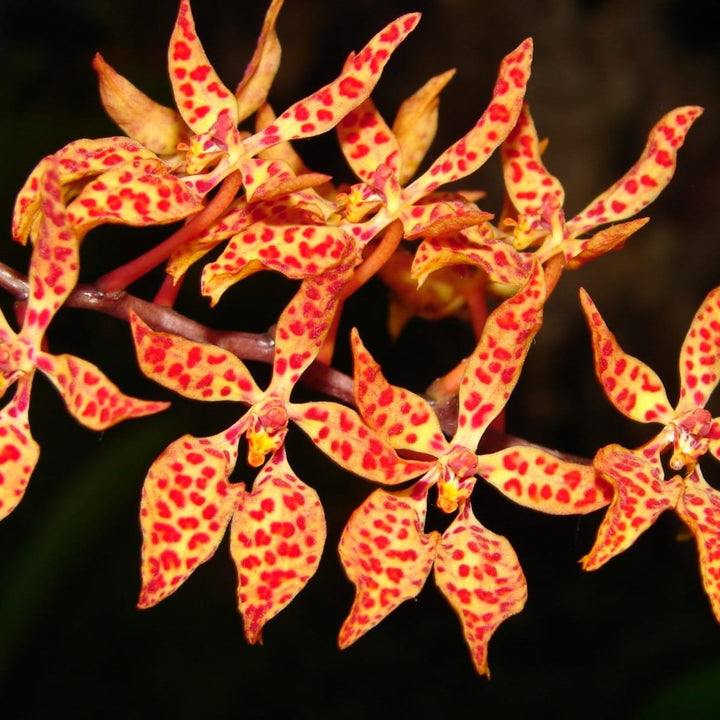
pixel 633 640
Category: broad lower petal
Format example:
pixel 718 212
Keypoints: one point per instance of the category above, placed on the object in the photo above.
pixel 640 495
pixel 386 555
pixel 185 509
pixel 480 575
pixel 276 540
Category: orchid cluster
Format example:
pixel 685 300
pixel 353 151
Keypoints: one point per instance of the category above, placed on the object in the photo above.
pixel 223 163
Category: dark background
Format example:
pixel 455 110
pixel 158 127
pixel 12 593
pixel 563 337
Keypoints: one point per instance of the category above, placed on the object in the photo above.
pixel 633 640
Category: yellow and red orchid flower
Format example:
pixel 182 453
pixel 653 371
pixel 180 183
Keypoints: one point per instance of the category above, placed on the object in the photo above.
pixel 641 492
pixel 89 396
pixel 537 197
pixel 537 220
pixel 278 528
pixel 384 549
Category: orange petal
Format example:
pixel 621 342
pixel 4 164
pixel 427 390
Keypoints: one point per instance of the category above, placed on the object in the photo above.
pixel 472 150
pixel 480 575
pixel 199 93
pixel 386 555
pixel 156 127
pixel 19 452
pixel 343 436
pixel 699 508
pixel 700 354
pixel 324 109
pixel 630 385
pixel 92 399
pixel 253 89
pixel 402 419
pixel 366 141
pixel 277 537
pixel 495 365
pixel 416 122
pixel 641 495
pixel 538 480
pixel 186 506
pixel 646 179
pixel 196 370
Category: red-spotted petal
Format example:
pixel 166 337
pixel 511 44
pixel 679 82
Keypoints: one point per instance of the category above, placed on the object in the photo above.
pixel 541 481
pixel 148 195
pixel 699 508
pixel 416 122
pixel 433 219
pixel 700 355
pixel 199 93
pixel 640 496
pixel 55 261
pixel 277 537
pixel 495 365
pixel 305 322
pixel 402 419
pixel 480 575
pixel 343 436
pixel 630 385
pixel 580 251
pixel 156 127
pixel 646 179
pixel 475 247
pixel 473 149
pixel 196 370
pixel 386 555
pixel 19 452
pixel 366 141
pixel 296 251
pixel 528 183
pixel 77 160
pixel 92 399
pixel 186 506
pixel 322 110
pixel 253 89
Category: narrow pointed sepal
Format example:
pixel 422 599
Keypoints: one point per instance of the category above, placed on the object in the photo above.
pixel 156 127
pixel 632 387
pixel 185 509
pixel 700 355
pixel 276 540
pixel 538 480
pixel 641 494
pixel 494 367
pixel 89 396
pixel 480 575
pixel 199 371
pixel 401 418
pixel 386 555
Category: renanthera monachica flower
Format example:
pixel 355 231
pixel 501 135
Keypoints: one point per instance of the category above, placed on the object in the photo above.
pixel 384 548
pixel 641 491
pixel 89 396
pixel 278 528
